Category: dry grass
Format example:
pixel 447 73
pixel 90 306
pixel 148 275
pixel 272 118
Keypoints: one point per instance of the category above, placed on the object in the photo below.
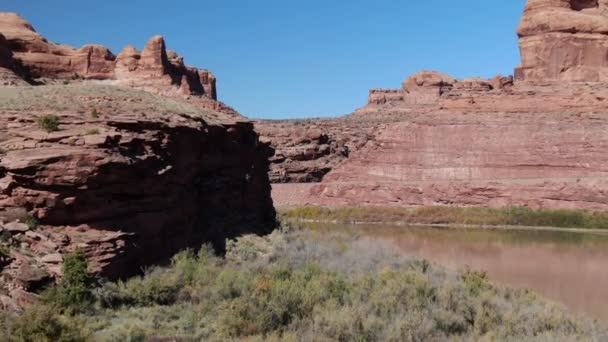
pixel 91 99
pixel 511 216
pixel 299 285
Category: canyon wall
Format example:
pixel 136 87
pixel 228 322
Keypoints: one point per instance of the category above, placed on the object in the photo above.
pixel 128 158
pixel 537 139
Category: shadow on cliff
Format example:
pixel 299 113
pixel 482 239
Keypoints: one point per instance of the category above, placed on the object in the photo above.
pixel 186 187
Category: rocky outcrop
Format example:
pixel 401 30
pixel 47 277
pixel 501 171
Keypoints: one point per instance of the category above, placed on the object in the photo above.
pixel 306 150
pixel 495 159
pixel 564 40
pixel 126 176
pixel 129 188
pixel 537 139
pixel 426 87
pixel 153 69
pixel 157 69
pixel 8 76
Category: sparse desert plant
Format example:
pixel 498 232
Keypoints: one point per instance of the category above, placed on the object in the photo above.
pixel 94 113
pixel 49 123
pixel 41 323
pixel 31 222
pixel 298 284
pixel 74 292
pixel 91 131
pixel 5 254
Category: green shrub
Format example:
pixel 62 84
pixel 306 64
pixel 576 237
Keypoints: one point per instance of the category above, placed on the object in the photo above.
pixel 49 123
pixel 31 222
pixel 94 113
pixel 74 292
pixel 41 323
pixel 299 285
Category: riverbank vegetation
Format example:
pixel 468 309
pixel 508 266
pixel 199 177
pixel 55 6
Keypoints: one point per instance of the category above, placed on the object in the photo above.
pixel 293 285
pixel 444 215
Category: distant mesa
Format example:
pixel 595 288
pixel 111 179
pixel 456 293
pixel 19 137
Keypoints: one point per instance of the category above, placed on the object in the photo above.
pixel 430 87
pixel 25 55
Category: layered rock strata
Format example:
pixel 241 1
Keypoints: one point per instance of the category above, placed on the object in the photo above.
pixel 536 139
pixel 129 188
pixel 495 159
pixel 306 150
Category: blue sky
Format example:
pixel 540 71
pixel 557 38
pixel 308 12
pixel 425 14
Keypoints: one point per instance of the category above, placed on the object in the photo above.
pixel 298 58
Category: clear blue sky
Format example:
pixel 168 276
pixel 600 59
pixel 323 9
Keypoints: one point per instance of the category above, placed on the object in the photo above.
pixel 298 58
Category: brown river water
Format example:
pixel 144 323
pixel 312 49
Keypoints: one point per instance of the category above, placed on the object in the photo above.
pixel 565 267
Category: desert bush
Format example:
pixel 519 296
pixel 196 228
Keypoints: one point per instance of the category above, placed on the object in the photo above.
pixel 31 222
pixel 41 323
pixel 304 285
pixel 74 292
pixel 94 113
pixel 49 123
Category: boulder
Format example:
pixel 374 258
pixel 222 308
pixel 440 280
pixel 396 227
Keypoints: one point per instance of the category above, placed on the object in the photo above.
pixel 16 227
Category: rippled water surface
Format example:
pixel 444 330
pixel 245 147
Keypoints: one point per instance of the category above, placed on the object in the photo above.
pixel 566 267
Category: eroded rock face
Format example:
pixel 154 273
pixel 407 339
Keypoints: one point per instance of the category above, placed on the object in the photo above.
pixel 157 70
pixel 426 87
pixel 8 66
pixel 564 40
pixel 151 70
pixel 129 189
pixel 306 150
pixel 494 159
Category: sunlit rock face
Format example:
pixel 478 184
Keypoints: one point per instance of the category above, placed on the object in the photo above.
pixel 564 40
pixel 536 139
pixel 155 69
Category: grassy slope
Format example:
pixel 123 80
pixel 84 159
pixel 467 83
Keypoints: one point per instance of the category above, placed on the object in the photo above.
pixel 511 216
pixel 302 284
pixel 94 98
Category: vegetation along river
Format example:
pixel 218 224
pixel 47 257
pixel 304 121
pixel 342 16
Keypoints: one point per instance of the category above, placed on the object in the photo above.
pixel 565 267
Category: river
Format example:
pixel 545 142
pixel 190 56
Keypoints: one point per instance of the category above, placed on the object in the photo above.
pixel 565 267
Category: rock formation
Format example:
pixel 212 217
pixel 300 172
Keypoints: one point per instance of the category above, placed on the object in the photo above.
pixel 151 70
pixel 496 159
pixel 129 176
pixel 8 65
pixel 307 150
pixel 130 188
pixel 537 139
pixel 564 40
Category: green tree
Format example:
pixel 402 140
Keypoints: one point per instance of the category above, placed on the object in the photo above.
pixel 74 293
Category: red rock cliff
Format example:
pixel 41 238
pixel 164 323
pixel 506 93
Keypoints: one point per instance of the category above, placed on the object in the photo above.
pixel 536 140
pixel 130 176
pixel 154 69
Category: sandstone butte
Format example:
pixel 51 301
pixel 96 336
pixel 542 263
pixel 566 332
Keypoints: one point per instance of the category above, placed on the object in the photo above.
pixel 144 161
pixel 537 139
